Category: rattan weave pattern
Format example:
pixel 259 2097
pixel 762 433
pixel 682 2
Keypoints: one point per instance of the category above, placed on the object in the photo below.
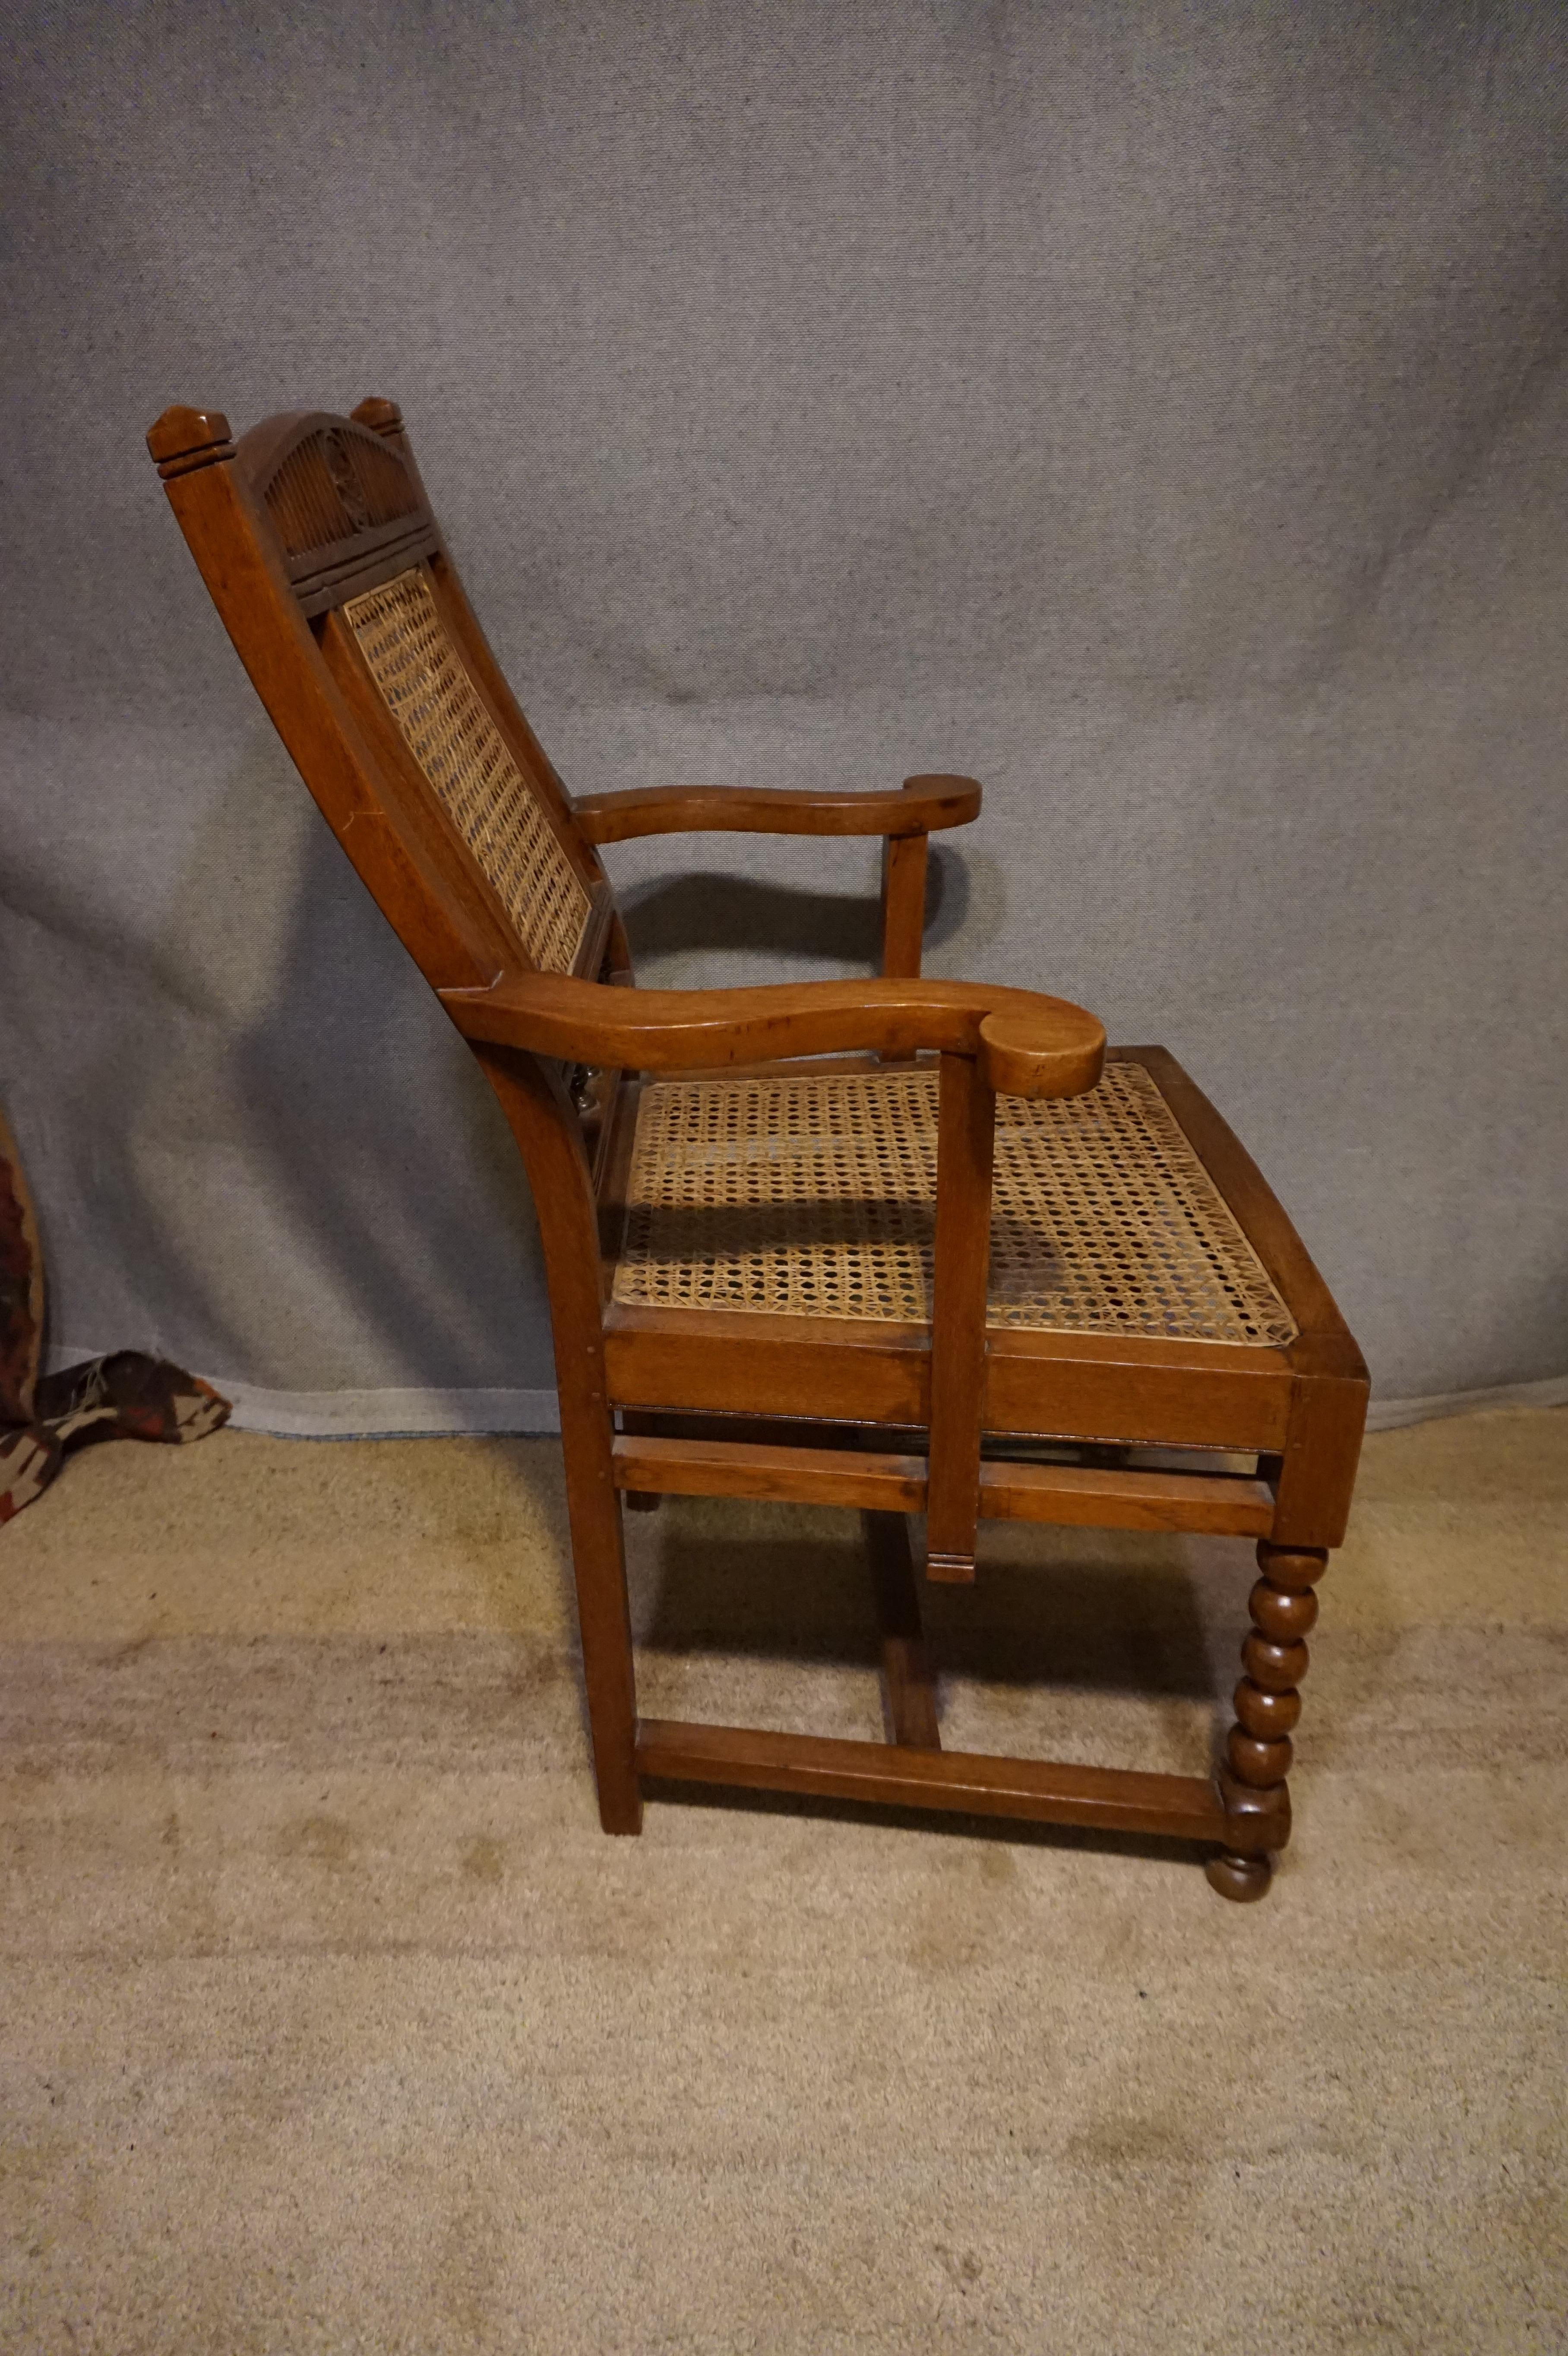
pixel 451 734
pixel 812 1197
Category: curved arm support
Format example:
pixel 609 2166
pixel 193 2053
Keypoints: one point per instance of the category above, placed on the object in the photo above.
pixel 923 805
pixel 1024 1043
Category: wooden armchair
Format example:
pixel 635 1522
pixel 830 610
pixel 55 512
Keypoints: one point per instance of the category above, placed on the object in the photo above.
pixel 898 1245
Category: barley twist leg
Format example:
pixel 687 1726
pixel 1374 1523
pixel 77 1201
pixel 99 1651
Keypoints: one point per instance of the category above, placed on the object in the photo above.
pixel 1258 1750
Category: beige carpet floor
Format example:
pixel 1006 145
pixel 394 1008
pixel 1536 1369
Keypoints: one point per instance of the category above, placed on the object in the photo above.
pixel 331 2022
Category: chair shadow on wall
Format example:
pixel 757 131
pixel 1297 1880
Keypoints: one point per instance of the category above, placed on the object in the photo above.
pixel 337 1068
pixel 681 914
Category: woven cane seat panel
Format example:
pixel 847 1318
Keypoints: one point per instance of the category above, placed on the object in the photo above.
pixel 448 729
pixel 814 1197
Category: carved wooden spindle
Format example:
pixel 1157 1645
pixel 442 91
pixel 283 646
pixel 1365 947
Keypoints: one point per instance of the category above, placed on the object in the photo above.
pixel 1258 1751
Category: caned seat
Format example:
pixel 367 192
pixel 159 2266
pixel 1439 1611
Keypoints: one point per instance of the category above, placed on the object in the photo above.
pixel 912 1247
pixel 814 1194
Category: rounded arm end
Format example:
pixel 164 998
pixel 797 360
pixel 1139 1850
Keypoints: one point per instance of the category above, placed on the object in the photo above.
pixel 1026 1052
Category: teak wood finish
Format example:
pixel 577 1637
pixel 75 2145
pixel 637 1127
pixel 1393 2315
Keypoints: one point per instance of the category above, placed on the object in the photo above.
pixel 955 1416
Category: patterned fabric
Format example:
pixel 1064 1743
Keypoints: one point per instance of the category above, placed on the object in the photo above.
pixel 21 1289
pixel 41 1420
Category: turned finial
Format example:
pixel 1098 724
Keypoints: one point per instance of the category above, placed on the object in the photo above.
pixel 382 416
pixel 184 439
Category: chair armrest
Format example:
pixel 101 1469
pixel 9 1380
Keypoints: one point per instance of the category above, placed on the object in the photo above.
pixel 923 805
pixel 1026 1044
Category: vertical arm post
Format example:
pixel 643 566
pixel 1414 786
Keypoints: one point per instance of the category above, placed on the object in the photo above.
pixel 904 903
pixel 966 1138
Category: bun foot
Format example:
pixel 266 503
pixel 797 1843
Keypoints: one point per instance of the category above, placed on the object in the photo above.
pixel 1239 1878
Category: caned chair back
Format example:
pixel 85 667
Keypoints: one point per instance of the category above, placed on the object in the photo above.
pixel 414 662
pixel 318 544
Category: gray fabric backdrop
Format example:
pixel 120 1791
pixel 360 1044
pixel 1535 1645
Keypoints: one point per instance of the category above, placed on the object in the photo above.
pixel 1159 413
